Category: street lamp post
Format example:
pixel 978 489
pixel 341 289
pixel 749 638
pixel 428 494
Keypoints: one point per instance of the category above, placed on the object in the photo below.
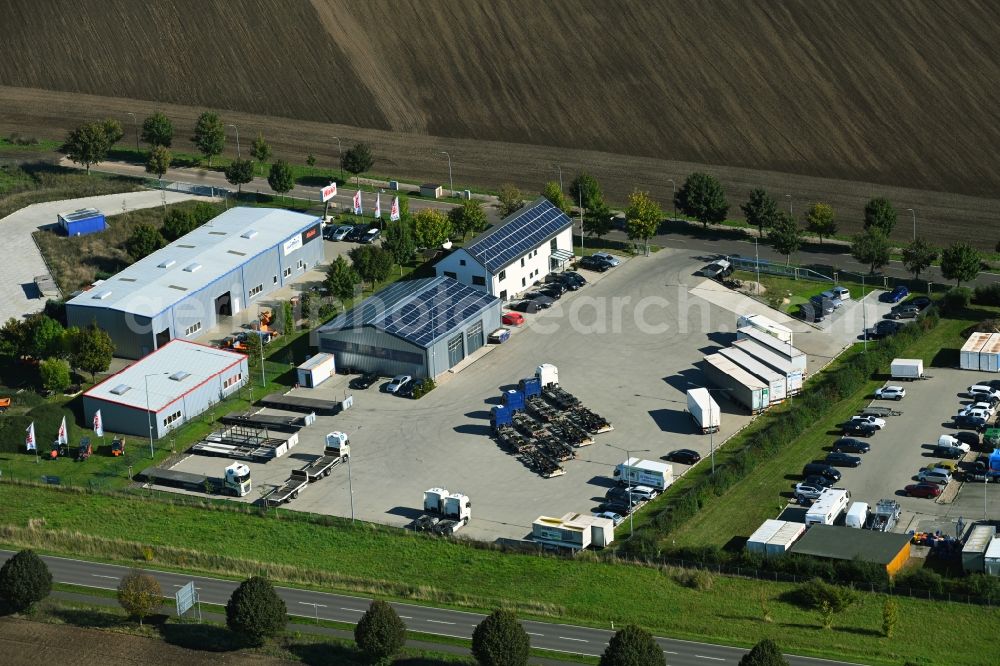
pixel 914 214
pixel 580 201
pixel 451 181
pixel 673 195
pixel 790 211
pixel 149 413
pixel 631 514
pixel 239 155
pixel 864 315
pixel 559 169
pixel 340 157
pixel 135 124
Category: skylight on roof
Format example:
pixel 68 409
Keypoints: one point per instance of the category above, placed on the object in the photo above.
pixel 180 375
pixel 248 234
pixel 167 263
pixel 191 268
pixel 121 389
pixel 101 296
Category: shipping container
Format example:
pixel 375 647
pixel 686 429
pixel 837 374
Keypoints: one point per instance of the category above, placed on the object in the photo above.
pixel 758 540
pixel 991 558
pixel 742 387
pixel 776 383
pixel 784 538
pixel 767 356
pixel 974 550
pixel 906 368
pixel 82 222
pixel 969 356
pixel 316 370
pixel 704 410
pixel 794 356
pixel 765 325
pixel 989 355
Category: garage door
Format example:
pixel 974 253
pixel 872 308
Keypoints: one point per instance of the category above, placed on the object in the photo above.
pixel 456 351
pixel 474 338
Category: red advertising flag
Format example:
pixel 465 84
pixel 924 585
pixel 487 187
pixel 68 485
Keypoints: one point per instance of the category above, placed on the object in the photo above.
pixel 394 210
pixel 357 203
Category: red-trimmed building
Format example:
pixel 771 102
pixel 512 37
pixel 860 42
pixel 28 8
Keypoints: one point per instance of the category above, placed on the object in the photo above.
pixel 166 389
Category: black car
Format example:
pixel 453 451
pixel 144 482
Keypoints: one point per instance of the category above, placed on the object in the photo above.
pixel 569 279
pixel 683 456
pixel 822 469
pixel 529 307
pixel 621 508
pixel 554 291
pixel 970 438
pixel 883 329
pixel 921 302
pixel 542 301
pixel 364 381
pixel 621 495
pixel 409 388
pixel 842 459
pixel 818 480
pixel 860 429
pixel 356 234
pixel 595 264
pixel 850 445
pixel 972 422
pixel 952 452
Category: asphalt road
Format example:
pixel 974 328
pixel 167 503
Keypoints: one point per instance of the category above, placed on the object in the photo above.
pixel 424 619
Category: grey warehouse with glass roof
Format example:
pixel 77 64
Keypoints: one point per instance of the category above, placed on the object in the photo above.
pixel 201 279
pixel 421 328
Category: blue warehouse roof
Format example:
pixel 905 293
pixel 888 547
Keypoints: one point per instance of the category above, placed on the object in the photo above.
pixel 418 311
pixel 518 234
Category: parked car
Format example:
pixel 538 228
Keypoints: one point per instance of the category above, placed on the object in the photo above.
pixel 512 319
pixel 896 295
pixel 823 305
pixel 883 329
pixel 409 388
pixel 971 438
pixel 851 445
pixel 542 301
pixel 364 381
pixel 620 508
pixel 569 280
pixel 923 490
pixel 874 420
pixel 818 480
pixel 683 456
pixel 610 258
pixel 839 459
pixel 356 234
pixel 843 293
pixel 341 232
pixel 593 263
pixel 974 422
pixel 717 270
pixel 977 413
pixel 807 491
pixel 833 298
pixel 823 470
pixel 922 302
pixel 904 312
pixel 859 429
pixel 948 465
pixel 554 291
pixel 523 306
pixel 371 236
pixel 940 476
pixel 616 518
pixel 398 382
pixel 621 495
pixel 945 451
pixel 891 393
pixel 644 493
pixel 983 391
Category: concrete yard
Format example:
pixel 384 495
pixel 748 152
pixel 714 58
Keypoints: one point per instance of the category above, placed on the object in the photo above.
pixel 625 344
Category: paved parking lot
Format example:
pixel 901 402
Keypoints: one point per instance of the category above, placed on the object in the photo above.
pixel 625 344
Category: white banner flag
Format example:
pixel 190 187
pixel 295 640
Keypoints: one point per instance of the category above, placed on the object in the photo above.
pixel 378 205
pixel 357 203
pixel 329 192
pixel 29 441
pixel 63 437
pixel 98 424
pixel 394 211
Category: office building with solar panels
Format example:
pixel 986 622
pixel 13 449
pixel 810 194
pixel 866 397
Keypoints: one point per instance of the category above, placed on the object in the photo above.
pixel 515 254
pixel 421 328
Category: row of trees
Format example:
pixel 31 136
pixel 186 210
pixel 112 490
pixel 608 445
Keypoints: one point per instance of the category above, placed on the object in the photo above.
pixel 57 349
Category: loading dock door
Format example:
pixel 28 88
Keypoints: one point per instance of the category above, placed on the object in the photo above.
pixel 456 351
pixel 162 338
pixel 475 336
pixel 224 305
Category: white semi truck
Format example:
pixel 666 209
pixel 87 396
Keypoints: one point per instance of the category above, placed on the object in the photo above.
pixel 636 472
pixel 235 480
pixel 445 512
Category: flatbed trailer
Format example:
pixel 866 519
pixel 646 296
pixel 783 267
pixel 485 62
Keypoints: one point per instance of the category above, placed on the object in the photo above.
pixel 201 483
pixel 290 490
pixel 294 403
pixel 323 466
pixel 277 422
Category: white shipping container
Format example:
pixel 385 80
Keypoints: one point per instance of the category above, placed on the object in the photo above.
pixel 991 558
pixel 316 370
pixel 974 550
pixel 784 538
pixel 743 387
pixel 969 356
pixel 765 325
pixel 794 356
pixel 758 540
pixel 989 355
pixel 776 383
pixel 906 368
pixel 793 376
pixel 704 410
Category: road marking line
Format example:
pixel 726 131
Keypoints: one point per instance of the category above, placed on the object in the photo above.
pixel 309 603
pixel 440 622
pixel 578 640
pixel 100 576
pixel 701 656
pixel 531 633
pixel 668 652
pixel 405 617
pixel 353 610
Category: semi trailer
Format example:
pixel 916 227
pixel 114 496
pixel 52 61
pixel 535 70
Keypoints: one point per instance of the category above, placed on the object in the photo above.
pixel 235 480
pixel 741 386
pixel 636 472
pixel 704 410
pixel 336 451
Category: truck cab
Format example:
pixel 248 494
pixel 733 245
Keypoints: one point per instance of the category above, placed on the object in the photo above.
pixel 237 479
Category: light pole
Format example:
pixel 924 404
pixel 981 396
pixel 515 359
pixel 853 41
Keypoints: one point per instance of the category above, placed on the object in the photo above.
pixel 149 413
pixel 239 155
pixel 914 214
pixel 673 195
pixel 580 201
pixel 559 168
pixel 135 123
pixel 790 211
pixel 711 420
pixel 340 158
pixel 628 456
pixel 451 182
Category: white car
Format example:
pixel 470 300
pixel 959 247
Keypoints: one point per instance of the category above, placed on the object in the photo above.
pixel 843 293
pixel 615 518
pixel 980 391
pixel 976 412
pixel 891 393
pixel 610 258
pixel 874 420
pixel 645 493
pixel 397 382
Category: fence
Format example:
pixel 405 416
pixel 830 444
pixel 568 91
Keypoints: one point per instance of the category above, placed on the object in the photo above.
pixel 790 271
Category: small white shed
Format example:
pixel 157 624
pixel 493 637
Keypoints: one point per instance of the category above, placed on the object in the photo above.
pixel 316 370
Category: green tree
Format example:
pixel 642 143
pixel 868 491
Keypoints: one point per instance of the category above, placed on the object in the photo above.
pixel 509 200
pixel 890 616
pixel 764 653
pixel 91 350
pixel 632 646
pixel 398 240
pixel 760 210
pixel 918 256
pixel 820 220
pixel 642 217
pixel 178 222
pixel 500 640
pixel 44 337
pixel 113 131
pixel 158 162
pixel 960 262
pixel 341 278
pixel 358 160
pixel 210 135
pixel 703 198
pixel 287 318
pixel 55 374
pixel 254 348
pixel 280 178
pixel 380 633
pixel 586 191
pixel 260 150
pixel 139 594
pixel 87 145
pixel 430 228
pixel 310 160
pixel 597 220
pixel 555 195
pixel 872 248
pixel 255 611
pixel 143 241
pixel 203 212
pixel 468 218
pixel 24 580
pixel 157 130
pixel 880 214
pixel 14 339
pixel 785 235
pixel 239 173
pixel 371 262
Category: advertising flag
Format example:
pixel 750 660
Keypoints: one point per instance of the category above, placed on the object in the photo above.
pixel 378 205
pixel 63 437
pixel 357 203
pixel 98 424
pixel 394 210
pixel 29 441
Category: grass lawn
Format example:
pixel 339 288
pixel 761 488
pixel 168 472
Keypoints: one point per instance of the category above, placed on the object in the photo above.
pixel 33 183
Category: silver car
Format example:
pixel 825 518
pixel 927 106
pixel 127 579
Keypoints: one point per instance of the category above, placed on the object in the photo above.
pixel 341 232
pixel 397 382
pixel 610 258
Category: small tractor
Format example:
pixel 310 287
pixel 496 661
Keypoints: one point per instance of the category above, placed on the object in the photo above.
pixel 85 450
pixel 118 446
pixel 58 449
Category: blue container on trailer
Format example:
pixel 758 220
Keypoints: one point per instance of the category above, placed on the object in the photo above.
pixel 82 222
pixel 530 386
pixel 513 399
pixel 499 416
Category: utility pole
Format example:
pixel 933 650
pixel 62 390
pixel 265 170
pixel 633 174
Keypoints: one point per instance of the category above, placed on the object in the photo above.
pixel 239 155
pixel 135 123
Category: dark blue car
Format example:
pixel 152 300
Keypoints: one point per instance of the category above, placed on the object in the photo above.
pixel 896 295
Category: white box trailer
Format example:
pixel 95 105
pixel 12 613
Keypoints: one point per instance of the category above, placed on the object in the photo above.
pixel 974 549
pixel 906 368
pixel 991 558
pixel 636 472
pixel 704 410
pixel 778 363
pixel 776 384
pixel 857 515
pixel 989 355
pixel 742 387
pixel 765 325
pixel 794 356
pixel 831 503
pixel 784 538
pixel 316 370
pixel 758 540
pixel 969 355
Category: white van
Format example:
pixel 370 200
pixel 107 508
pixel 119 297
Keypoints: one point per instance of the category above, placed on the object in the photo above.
pixel 857 515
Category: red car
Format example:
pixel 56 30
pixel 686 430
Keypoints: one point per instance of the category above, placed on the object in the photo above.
pixel 512 319
pixel 931 490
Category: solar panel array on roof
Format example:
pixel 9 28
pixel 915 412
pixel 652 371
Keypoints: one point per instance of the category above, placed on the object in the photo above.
pixel 524 230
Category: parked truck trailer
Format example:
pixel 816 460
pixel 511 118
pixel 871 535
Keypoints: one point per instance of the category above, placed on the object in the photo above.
pixel 907 368
pixel 741 386
pixel 793 376
pixel 776 384
pixel 794 356
pixel 704 410
pixel 636 472
pixel 235 480
pixel 765 325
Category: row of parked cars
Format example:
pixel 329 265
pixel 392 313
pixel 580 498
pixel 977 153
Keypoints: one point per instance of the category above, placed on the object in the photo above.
pixel 361 233
pixel 403 386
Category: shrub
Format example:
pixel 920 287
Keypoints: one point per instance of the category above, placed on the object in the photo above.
pixel 988 294
pixel 500 640
pixel 764 653
pixel 696 579
pixel 24 580
pixel 255 611
pixel 956 299
pixel 816 593
pixel 380 633
pixel 922 579
pixel 632 646
pixel 139 594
